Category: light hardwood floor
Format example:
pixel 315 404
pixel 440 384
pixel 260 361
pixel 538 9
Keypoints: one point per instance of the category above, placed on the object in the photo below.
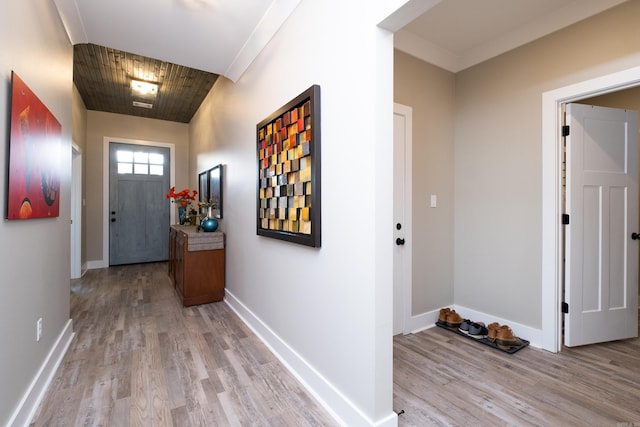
pixel 141 359
pixel 443 379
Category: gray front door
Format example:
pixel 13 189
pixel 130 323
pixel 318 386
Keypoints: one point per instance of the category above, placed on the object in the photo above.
pixel 138 208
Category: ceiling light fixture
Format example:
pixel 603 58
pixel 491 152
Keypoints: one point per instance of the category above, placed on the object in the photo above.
pixel 142 104
pixel 144 88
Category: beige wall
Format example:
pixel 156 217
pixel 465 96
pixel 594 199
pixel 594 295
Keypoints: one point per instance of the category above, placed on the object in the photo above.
pixel 100 125
pixel 430 92
pixel 34 254
pixel 477 145
pixel 498 133
pixel 326 310
pixel 79 138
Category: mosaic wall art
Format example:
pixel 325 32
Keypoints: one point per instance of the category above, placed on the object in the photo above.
pixel 288 154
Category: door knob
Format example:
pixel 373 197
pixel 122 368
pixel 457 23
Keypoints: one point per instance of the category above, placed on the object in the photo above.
pixel 399 241
pixel 635 236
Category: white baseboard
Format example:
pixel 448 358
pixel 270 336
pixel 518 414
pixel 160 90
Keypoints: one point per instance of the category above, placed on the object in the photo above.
pixel 92 265
pixel 533 335
pixel 421 322
pixel 25 411
pixel 428 319
pixel 340 408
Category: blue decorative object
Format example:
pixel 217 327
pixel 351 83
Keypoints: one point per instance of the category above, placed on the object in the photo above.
pixel 182 214
pixel 209 224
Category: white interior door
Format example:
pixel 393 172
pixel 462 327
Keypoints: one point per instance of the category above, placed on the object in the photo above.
pixel 401 217
pixel 76 214
pixel 601 275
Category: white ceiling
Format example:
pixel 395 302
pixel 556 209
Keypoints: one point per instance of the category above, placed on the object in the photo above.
pixel 224 36
pixel 457 34
pixel 218 36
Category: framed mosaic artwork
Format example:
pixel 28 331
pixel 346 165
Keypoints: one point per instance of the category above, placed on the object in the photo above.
pixel 288 157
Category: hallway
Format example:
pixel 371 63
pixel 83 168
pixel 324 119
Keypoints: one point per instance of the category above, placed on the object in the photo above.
pixel 140 359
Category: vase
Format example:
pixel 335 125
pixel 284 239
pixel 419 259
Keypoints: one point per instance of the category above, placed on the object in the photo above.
pixel 209 224
pixel 182 214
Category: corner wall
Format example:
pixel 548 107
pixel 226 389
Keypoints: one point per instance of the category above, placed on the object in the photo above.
pixel 430 92
pixel 79 137
pixel 34 254
pixel 329 309
pixel 498 158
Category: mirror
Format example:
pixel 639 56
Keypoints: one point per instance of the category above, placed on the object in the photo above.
pixel 215 190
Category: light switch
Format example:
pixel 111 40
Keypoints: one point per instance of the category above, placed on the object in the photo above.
pixel 434 201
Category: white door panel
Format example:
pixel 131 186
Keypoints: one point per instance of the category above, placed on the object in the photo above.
pixel 401 217
pixel 601 276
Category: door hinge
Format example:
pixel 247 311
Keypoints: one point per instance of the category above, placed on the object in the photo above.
pixel 565 130
pixel 565 307
pixel 565 219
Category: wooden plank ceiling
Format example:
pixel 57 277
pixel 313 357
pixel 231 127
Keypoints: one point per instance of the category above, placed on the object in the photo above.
pixel 103 77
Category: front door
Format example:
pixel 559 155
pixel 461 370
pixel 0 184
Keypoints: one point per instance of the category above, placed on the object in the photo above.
pixel 138 208
pixel 601 275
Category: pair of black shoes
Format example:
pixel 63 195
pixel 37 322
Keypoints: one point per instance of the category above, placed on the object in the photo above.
pixel 475 330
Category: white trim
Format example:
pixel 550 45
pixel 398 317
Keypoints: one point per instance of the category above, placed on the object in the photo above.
pixel 551 338
pixel 455 62
pixel 428 320
pixel 105 188
pixel 337 404
pixel 70 17
pixel 422 321
pixel 29 403
pixel 101 263
pixel 407 112
pixel 275 16
pixel 76 212
pixel 528 333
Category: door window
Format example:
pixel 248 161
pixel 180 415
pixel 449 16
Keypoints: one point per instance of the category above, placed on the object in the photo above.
pixel 140 163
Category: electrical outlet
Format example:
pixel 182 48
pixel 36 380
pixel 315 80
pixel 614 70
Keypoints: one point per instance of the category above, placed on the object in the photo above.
pixel 39 329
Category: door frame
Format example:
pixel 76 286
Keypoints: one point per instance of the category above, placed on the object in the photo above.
pixel 552 240
pixel 76 212
pixel 404 290
pixel 105 184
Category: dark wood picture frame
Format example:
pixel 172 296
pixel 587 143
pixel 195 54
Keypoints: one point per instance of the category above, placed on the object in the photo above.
pixel 203 189
pixel 288 163
pixel 215 189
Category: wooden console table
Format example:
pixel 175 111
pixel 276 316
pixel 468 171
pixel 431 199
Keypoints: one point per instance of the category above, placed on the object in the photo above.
pixel 196 264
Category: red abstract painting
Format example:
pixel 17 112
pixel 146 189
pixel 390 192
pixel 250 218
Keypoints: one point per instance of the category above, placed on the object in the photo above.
pixel 34 156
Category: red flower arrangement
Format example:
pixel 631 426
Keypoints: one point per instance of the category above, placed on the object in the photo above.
pixel 183 198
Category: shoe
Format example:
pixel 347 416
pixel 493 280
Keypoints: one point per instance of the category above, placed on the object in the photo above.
pixel 492 331
pixel 454 320
pixel 505 339
pixel 442 317
pixel 464 326
pixel 477 330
